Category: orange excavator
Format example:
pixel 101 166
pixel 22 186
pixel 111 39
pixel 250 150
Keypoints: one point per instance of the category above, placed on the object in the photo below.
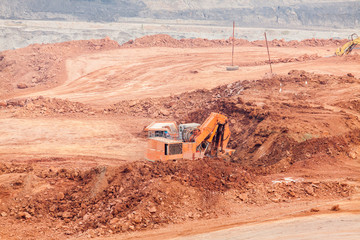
pixel 167 141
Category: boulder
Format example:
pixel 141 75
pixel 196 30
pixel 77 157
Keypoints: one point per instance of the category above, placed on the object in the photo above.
pixel 309 190
pixel 16 102
pixel 66 214
pixel 22 86
pixel 164 112
pixel 24 215
pixel 152 209
pixel 60 196
pixel 114 221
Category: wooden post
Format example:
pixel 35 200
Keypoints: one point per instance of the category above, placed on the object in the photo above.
pixel 232 67
pixel 267 46
pixel 233 42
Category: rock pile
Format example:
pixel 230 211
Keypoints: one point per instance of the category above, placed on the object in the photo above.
pixel 163 40
pixel 41 106
pixel 145 195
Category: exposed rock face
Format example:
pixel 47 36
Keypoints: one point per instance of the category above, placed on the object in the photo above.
pixel 131 19
pixel 258 13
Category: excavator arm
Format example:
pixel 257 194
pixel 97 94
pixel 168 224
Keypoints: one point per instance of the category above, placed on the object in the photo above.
pixel 214 132
pixel 349 46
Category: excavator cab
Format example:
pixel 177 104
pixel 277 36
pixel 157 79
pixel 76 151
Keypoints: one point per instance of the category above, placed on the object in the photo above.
pixel 163 130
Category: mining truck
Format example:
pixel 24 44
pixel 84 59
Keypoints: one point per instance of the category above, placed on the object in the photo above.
pixel 168 141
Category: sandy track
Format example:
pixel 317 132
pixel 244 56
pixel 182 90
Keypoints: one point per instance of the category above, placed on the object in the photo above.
pixel 332 227
pixel 280 221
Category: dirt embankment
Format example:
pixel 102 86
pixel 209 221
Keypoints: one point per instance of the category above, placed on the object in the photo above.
pixel 144 195
pixel 162 40
pixel 49 107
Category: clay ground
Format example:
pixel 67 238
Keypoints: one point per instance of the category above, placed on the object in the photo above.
pixel 72 145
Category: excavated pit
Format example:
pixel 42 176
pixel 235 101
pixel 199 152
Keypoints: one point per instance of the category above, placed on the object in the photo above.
pixel 296 137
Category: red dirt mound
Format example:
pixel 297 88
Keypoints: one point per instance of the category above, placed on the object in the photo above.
pixel 163 40
pixel 271 128
pixel 40 106
pixel 43 65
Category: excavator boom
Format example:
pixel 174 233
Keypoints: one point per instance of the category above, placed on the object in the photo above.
pixel 215 131
pixel 349 46
pixel 209 126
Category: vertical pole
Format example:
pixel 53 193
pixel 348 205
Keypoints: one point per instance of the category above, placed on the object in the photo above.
pixel 267 46
pixel 233 39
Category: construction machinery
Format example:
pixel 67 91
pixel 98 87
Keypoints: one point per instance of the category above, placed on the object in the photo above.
pixel 167 141
pixel 349 46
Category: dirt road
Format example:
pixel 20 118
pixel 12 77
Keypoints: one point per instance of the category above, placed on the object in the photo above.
pixel 332 227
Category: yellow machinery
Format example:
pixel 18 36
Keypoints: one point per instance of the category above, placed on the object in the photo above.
pixel 349 46
pixel 188 141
